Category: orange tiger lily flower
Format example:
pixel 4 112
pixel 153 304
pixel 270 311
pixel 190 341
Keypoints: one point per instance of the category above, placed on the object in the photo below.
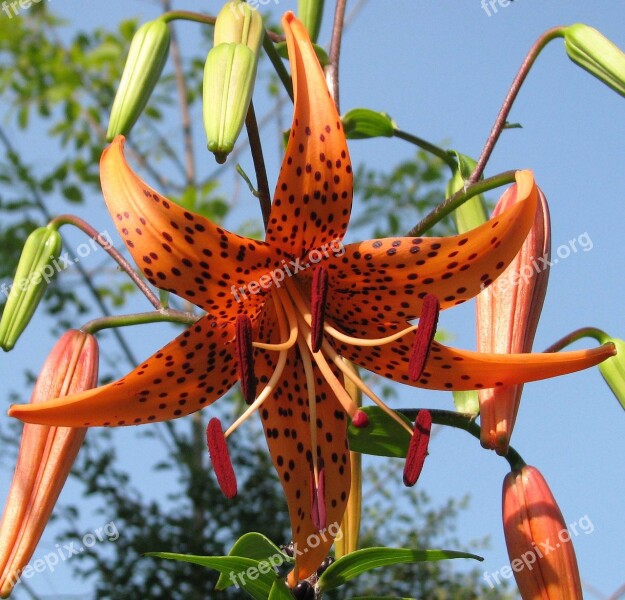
pixel 46 455
pixel 282 312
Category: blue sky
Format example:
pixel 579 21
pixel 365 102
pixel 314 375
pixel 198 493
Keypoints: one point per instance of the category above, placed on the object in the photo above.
pixel 441 70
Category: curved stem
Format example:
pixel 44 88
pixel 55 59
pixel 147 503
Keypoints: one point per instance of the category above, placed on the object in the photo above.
pixel 578 334
pixel 110 249
pixel 504 111
pixel 332 70
pixel 466 422
pixel 262 183
pixel 187 15
pixel 461 196
pixel 428 147
pixel 277 63
pixel 168 315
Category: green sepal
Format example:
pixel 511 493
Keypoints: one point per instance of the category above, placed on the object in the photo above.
pixel 146 58
pixel 239 23
pixel 363 123
pixel 364 560
pixel 473 212
pixel 256 546
pixel 383 436
pixel 229 76
pixel 34 271
pixel 322 55
pixel 310 13
pixel 595 53
pixel 613 369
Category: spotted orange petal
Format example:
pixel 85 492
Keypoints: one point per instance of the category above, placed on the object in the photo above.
pixel 452 369
pixel 178 250
pixel 186 375
pixel 387 279
pixel 313 197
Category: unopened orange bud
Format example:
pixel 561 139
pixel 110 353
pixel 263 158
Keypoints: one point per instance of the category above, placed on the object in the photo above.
pixel 541 553
pixel 507 318
pixel 46 456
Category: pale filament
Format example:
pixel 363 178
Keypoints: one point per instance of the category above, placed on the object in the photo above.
pixel 312 406
pixel 275 378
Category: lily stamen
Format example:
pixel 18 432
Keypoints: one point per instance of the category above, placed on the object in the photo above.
pixel 318 297
pixel 220 457
pixel 318 504
pixel 245 357
pixel 424 336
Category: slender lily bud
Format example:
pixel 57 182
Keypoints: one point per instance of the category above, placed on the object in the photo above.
pixel 507 318
pixel 468 216
pixel 541 552
pixel 46 455
pixel 239 23
pixel 595 53
pixel 348 539
pixel 146 58
pixel 229 76
pixel 613 368
pixel 34 272
pixel 472 213
pixel 310 12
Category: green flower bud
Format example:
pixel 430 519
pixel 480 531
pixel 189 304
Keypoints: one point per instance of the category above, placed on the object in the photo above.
pixel 362 123
pixel 613 369
pixel 592 51
pixel 239 23
pixel 144 65
pixel 473 212
pixel 310 12
pixel 228 84
pixel 34 271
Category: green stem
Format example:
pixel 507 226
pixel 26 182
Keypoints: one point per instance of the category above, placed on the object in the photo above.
pixel 431 148
pixel 157 316
pixel 578 334
pixel 277 63
pixel 467 423
pixel 264 194
pixel 502 117
pixel 110 249
pixel 459 198
pixel 187 15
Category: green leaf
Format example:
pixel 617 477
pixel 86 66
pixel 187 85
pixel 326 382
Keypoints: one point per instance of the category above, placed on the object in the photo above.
pixel 243 572
pixel 382 437
pixel 364 560
pixel 258 547
pixel 279 591
pixel 363 123
pixel 72 193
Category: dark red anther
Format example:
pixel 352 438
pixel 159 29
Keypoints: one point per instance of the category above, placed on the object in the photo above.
pixel 418 449
pixel 424 335
pixel 360 419
pixel 318 503
pixel 245 357
pixel 220 457
pixel 318 297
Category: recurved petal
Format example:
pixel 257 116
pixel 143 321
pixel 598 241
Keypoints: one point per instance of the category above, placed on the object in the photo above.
pixel 186 375
pixel 452 369
pixel 178 250
pixel 386 279
pixel 313 197
pixel 286 420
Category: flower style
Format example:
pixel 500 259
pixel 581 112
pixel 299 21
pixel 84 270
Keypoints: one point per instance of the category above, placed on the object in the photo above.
pixel 539 545
pixel 46 455
pixel 281 326
pixel 507 317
